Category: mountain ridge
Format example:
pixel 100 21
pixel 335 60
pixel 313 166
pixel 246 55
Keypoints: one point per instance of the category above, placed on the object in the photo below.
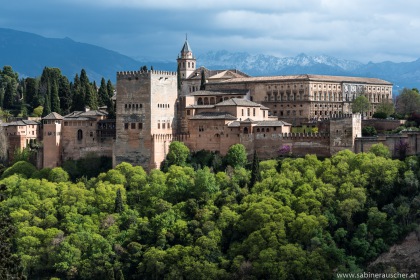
pixel 29 53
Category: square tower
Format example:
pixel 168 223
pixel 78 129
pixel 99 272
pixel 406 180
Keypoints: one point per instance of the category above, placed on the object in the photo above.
pixel 145 116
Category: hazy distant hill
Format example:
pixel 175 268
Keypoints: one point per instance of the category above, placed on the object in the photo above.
pixel 28 54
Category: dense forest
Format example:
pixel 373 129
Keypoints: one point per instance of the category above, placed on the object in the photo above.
pixel 208 217
pixel 51 92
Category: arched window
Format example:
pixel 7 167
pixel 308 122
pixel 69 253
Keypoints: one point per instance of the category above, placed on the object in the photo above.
pixel 200 101
pixel 79 134
pixel 246 130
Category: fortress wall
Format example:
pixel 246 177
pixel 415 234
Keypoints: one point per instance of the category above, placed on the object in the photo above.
pixel 382 125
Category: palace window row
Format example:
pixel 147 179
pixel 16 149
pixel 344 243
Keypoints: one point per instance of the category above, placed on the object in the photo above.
pixel 133 125
pixel 213 100
pixel 77 123
pixel 133 106
pixel 248 112
pixel 285 96
pixel 163 105
pixel 164 125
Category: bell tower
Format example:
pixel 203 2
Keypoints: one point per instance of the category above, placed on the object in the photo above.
pixel 186 61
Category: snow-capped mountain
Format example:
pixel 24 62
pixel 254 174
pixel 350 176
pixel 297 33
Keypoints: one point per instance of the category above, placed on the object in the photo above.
pixel 404 74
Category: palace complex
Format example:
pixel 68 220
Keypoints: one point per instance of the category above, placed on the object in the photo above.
pixel 210 110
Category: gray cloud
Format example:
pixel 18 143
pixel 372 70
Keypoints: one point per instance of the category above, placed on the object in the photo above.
pixel 375 30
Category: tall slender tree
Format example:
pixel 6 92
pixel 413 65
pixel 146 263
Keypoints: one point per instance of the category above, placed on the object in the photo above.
pixel 255 171
pixel 118 202
pixel 103 94
pixel 203 80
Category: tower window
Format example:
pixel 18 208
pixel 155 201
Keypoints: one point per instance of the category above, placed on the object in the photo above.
pixel 79 134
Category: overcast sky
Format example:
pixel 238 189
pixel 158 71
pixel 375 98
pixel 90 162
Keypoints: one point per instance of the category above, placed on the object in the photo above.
pixel 362 30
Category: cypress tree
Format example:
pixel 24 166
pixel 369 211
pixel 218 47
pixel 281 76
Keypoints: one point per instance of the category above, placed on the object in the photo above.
pixel 103 94
pixel 65 95
pixel 118 202
pixel 120 275
pixel 203 80
pixel 8 96
pixel 178 72
pixel 55 99
pixel 78 97
pixel 110 89
pixel 255 171
pixel 47 108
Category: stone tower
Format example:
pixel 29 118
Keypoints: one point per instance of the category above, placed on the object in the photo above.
pixel 52 140
pixel 186 61
pixel 145 117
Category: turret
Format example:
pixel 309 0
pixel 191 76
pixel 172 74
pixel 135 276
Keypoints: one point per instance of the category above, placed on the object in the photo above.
pixel 186 61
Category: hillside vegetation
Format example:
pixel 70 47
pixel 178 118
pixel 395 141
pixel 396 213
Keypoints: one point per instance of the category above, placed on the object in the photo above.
pixel 302 219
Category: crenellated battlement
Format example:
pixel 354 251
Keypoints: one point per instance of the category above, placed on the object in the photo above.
pixel 137 74
pixel 306 136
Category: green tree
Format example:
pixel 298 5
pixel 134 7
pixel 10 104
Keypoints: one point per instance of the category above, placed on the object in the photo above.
pixel 55 99
pixel 65 95
pixel 236 156
pixel 10 264
pixel 103 94
pixel 118 202
pixel 38 111
pixel 21 167
pixel 408 102
pixel 380 150
pixel 360 104
pixel 178 154
pixel 203 80
pixel 386 107
pixel 255 171
pixel 58 175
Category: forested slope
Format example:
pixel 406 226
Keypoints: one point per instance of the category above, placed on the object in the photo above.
pixel 304 219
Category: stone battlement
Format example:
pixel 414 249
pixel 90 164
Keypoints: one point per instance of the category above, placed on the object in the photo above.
pixel 137 74
pixel 306 136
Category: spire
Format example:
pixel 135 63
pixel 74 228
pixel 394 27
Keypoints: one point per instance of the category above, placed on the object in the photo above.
pixel 186 48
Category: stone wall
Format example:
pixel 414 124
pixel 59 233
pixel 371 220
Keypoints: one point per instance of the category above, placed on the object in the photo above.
pixel 382 125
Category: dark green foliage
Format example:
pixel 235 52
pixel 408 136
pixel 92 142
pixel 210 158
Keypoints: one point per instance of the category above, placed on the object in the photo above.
pixel 10 267
pixel 118 202
pixel 204 158
pixel 179 83
pixel 23 168
pixel 203 80
pixel 380 115
pixel 255 171
pixel 103 94
pixel 369 131
pixel 88 167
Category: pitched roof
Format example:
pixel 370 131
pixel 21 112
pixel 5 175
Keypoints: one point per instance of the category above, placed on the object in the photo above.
pixel 209 74
pixel 213 115
pixel 53 116
pixel 238 102
pixel 215 93
pixel 272 123
pixel 21 123
pixel 308 77
pixel 259 123
pixel 82 115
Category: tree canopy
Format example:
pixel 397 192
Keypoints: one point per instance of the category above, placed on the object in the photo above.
pixel 304 218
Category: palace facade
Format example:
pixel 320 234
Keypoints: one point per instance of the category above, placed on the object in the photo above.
pixel 210 110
